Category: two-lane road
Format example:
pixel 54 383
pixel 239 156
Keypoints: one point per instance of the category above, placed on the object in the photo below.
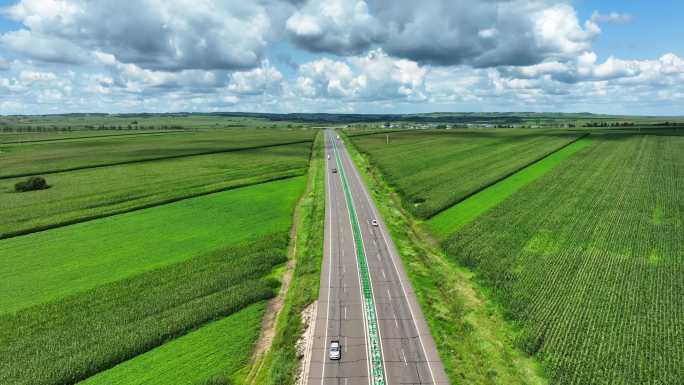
pixel 388 309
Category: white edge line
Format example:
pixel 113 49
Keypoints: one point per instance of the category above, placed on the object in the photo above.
pixel 358 270
pixel 392 257
pixel 370 280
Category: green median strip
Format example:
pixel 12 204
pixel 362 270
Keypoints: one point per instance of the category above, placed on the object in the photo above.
pixel 449 221
pixel 377 369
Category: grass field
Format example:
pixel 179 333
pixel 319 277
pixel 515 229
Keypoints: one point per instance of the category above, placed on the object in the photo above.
pixel 213 352
pixel 39 137
pixel 45 157
pixel 77 336
pixel 88 193
pixel 587 261
pixel 452 219
pixel 433 170
pixel 44 266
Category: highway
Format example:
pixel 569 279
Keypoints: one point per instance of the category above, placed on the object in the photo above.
pixel 366 300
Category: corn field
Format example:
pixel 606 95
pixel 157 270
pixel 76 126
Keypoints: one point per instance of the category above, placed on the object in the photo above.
pixel 589 262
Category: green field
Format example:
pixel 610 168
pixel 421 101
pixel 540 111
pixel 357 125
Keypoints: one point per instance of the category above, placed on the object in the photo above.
pixel 43 266
pixel 77 336
pixel 88 193
pixel 452 219
pixel 45 157
pixel 211 353
pixel 433 170
pixel 587 261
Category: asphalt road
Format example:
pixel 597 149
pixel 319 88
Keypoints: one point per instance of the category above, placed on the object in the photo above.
pixel 409 355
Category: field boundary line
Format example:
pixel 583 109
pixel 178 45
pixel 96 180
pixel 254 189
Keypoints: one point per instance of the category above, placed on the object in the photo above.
pixel 97 137
pixel 507 175
pixel 88 167
pixel 37 229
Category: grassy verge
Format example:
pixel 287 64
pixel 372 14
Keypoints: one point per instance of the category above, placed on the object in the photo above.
pixel 451 220
pixel 210 354
pixel 281 363
pixel 475 343
pixel 71 339
pixel 44 266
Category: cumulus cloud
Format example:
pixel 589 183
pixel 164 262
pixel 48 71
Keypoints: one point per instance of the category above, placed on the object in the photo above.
pixel 338 26
pixel 613 17
pixel 153 34
pixel 445 32
pixel 257 81
pixel 375 76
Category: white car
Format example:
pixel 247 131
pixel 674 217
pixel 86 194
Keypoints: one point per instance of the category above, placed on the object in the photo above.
pixel 335 351
pixel 374 222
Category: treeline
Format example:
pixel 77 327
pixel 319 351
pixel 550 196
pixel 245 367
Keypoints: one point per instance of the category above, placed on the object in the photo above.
pixel 102 127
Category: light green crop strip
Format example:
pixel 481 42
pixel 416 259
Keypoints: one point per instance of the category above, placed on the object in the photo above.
pixel 377 369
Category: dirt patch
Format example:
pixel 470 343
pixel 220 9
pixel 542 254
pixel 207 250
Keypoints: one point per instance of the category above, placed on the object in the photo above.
pixel 305 342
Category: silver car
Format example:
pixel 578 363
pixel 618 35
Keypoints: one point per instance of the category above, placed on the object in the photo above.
pixel 335 351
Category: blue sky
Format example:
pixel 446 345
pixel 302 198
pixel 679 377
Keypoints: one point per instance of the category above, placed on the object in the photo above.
pixel 373 56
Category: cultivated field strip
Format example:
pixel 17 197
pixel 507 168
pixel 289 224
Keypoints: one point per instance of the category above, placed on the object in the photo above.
pixel 86 194
pixel 433 170
pixel 208 355
pixel 45 266
pixel 68 340
pixel 588 260
pixel 20 160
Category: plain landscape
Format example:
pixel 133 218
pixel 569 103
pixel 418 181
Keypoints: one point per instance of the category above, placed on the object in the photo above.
pixel 146 265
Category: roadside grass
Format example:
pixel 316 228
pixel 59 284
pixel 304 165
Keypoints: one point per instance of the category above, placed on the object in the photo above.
pixel 45 266
pixel 281 363
pixel 85 194
pixel 75 337
pixel 48 157
pixel 212 353
pixel 475 343
pixel 433 170
pixel 452 219
pixel 587 261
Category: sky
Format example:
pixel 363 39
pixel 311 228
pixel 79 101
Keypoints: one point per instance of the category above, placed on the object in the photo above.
pixel 341 56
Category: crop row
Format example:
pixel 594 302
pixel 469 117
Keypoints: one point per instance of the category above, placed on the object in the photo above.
pixel 84 194
pixel 78 336
pixel 433 170
pixel 588 261
pixel 50 157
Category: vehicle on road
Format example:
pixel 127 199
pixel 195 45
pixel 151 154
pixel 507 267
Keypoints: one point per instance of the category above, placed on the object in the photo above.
pixel 335 351
pixel 328 156
pixel 374 222
pixel 334 170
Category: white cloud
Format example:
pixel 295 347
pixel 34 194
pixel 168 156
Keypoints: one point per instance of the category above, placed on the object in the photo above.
pixel 613 17
pixel 444 32
pixel 257 81
pixel 338 26
pixel 153 34
pixel 375 76
pixel 36 76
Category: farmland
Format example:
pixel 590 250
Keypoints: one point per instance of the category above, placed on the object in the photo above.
pixel 76 195
pixel 211 353
pixel 46 265
pixel 435 169
pixel 148 245
pixel 53 156
pixel 592 274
